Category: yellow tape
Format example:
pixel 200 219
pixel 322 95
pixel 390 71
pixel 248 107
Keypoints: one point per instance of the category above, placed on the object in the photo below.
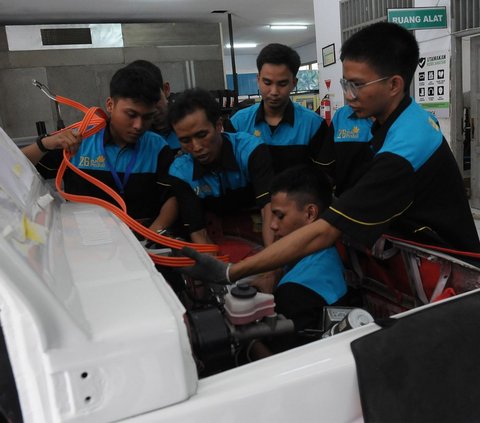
pixel 17 169
pixel 33 231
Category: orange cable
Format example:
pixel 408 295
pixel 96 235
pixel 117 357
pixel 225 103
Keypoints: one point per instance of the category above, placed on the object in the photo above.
pixel 93 121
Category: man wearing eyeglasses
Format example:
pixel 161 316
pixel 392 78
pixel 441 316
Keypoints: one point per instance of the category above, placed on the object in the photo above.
pixel 399 177
pixel 402 180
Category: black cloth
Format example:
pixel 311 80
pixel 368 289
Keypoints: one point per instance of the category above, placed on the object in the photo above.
pixel 424 368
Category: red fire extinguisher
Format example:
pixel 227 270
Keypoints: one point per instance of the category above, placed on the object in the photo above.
pixel 326 109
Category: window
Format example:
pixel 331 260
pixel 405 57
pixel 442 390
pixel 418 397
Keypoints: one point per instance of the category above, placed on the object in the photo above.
pixel 356 14
pixel 466 15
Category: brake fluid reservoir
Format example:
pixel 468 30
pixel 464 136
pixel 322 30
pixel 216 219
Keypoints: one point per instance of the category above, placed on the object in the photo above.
pixel 243 304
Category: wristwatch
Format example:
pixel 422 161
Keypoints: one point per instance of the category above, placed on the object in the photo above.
pixel 40 144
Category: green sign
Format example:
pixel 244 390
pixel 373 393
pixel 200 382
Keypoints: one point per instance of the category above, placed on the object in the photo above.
pixel 419 17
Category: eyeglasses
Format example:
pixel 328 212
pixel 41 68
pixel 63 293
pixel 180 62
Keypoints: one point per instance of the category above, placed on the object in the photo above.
pixel 351 88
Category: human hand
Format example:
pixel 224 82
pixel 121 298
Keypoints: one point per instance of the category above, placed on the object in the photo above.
pixel 207 268
pixel 64 140
pixel 266 282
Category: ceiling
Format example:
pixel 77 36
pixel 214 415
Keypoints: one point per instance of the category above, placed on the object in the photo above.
pixel 249 20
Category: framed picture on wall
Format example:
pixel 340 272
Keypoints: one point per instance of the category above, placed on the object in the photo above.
pixel 328 55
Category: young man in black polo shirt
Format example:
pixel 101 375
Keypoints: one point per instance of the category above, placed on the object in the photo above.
pixel 293 133
pixel 219 172
pixel 124 155
pixel 405 181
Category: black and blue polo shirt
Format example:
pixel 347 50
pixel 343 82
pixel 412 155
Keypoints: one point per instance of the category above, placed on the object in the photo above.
pixel 240 178
pixel 403 180
pixel 172 141
pixel 349 132
pixel 171 138
pixel 322 272
pixel 296 140
pixel 146 164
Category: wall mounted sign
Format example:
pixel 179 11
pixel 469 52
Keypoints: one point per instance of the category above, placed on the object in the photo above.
pixel 432 82
pixel 328 55
pixel 419 17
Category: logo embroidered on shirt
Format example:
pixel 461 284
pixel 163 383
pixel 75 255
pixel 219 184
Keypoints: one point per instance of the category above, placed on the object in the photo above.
pixel 346 133
pixel 257 133
pixel 98 163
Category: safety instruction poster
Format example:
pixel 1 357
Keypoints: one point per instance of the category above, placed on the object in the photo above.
pixel 432 82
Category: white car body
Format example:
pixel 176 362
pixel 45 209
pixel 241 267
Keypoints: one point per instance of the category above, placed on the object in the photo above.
pixel 95 334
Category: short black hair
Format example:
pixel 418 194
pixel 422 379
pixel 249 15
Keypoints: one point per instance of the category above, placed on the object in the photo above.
pixel 150 67
pixel 279 54
pixel 304 184
pixel 192 100
pixel 135 83
pixel 387 47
